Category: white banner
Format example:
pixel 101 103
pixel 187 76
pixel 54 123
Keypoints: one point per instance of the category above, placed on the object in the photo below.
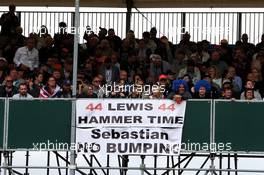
pixel 126 126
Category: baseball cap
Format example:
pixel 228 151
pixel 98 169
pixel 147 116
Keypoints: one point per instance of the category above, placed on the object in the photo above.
pixel 3 59
pixel 163 76
pixel 155 57
pixel 66 82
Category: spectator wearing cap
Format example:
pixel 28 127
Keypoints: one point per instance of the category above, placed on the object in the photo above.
pixel 8 89
pixel 227 94
pixel 157 67
pixel 51 90
pixel 22 92
pixel 109 71
pixel 191 70
pixel 202 90
pixel 228 84
pixel 164 83
pixel 27 57
pixel 180 87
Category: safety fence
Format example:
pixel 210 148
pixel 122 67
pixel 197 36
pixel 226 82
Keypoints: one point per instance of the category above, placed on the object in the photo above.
pixel 234 128
pixel 212 26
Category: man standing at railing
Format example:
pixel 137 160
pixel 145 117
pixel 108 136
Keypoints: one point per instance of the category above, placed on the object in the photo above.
pixel 9 21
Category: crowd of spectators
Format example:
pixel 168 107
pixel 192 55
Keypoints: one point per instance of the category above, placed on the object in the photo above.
pixel 110 67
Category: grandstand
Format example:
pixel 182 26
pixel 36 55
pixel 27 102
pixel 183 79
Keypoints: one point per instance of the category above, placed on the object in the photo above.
pixel 208 53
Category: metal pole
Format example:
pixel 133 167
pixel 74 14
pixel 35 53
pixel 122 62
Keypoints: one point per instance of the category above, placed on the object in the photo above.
pixel 239 25
pixel 142 164
pixel 0 162
pixel 74 82
pixel 212 135
pixel 73 131
pixel 75 49
pixel 183 22
pixel 5 139
pixel 138 168
pixel 130 4
pixel 48 162
pixel 27 161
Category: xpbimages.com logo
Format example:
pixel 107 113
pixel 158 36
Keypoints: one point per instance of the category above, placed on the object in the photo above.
pixel 117 88
pixel 139 148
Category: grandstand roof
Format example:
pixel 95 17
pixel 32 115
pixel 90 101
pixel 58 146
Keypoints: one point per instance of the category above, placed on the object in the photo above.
pixel 140 3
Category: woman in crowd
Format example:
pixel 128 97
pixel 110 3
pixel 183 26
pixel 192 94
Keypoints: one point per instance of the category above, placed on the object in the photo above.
pixel 51 90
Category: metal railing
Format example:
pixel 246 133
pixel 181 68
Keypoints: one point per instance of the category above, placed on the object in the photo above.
pixel 96 165
pixel 212 26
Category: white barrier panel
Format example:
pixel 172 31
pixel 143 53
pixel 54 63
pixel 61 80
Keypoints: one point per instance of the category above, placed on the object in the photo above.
pixel 125 126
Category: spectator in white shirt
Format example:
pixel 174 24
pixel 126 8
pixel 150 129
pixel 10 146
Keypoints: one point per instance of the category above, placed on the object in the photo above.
pixel 27 57
pixel 22 92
